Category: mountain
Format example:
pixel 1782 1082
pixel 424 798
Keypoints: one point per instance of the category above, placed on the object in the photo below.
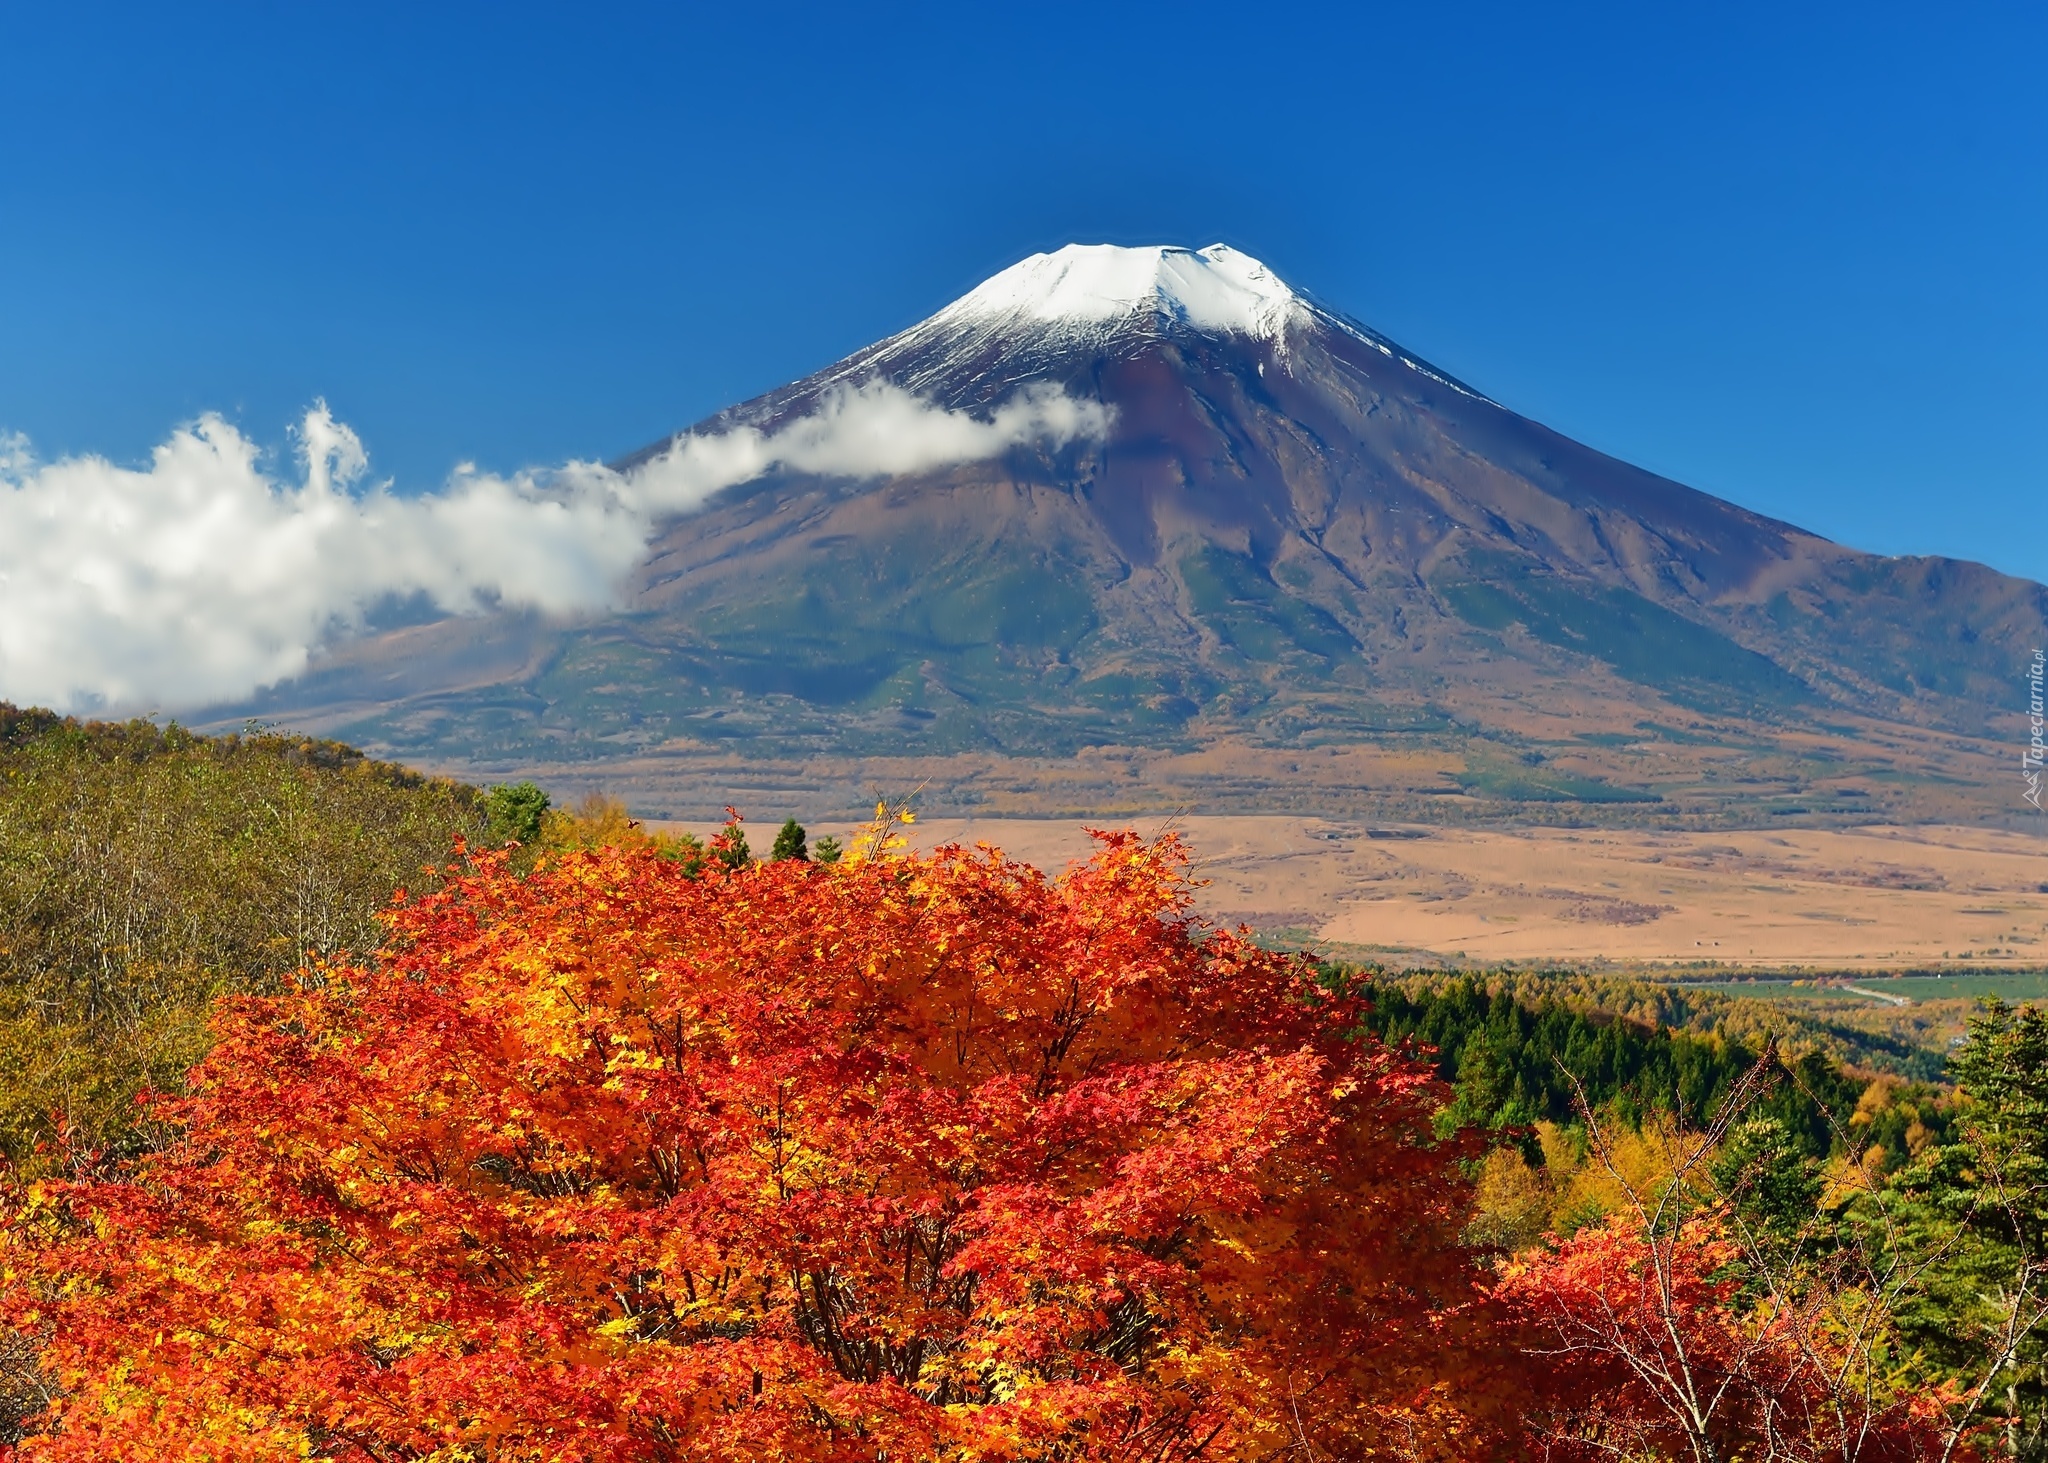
pixel 1300 568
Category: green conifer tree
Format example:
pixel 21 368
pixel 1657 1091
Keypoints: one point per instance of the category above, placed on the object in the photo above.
pixel 789 843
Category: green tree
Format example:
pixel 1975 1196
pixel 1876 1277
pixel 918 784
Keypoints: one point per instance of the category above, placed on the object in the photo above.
pixel 789 842
pixel 514 812
pixel 828 850
pixel 1761 1169
pixel 1972 1216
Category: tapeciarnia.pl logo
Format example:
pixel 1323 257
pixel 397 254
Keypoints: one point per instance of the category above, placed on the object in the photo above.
pixel 2037 752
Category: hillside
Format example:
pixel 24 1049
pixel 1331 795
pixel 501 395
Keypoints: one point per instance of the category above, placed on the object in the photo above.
pixel 145 871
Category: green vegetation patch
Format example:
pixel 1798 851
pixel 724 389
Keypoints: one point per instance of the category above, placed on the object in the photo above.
pixel 1640 640
pixel 889 646
pixel 1523 783
pixel 1252 613
pixel 901 598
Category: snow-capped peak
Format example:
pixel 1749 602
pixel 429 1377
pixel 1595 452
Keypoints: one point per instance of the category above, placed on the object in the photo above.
pixel 1018 325
pixel 1215 290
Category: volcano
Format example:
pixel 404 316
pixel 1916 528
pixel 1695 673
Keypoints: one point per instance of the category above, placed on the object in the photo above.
pixel 1298 567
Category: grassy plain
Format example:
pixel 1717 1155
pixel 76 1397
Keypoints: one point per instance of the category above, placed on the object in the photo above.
pixel 2014 987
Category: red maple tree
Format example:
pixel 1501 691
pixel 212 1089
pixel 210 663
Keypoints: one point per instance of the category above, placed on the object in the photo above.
pixel 919 1157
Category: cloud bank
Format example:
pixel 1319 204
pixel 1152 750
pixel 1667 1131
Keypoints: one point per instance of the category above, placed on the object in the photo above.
pixel 203 577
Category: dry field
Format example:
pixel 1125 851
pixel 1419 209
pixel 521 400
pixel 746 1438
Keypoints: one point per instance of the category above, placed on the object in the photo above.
pixel 1863 898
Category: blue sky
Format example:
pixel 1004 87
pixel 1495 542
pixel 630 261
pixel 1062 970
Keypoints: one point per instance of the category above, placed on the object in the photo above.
pixel 1791 255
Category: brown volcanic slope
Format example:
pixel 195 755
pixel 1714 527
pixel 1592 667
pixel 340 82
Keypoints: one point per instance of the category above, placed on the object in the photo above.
pixel 1303 571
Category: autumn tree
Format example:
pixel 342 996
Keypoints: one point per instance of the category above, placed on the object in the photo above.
pixel 907 1157
pixel 598 821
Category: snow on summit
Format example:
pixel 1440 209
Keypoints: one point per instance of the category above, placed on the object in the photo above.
pixel 1216 289
pixel 1019 325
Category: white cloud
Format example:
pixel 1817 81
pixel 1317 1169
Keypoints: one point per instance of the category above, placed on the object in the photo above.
pixel 203 577
pixel 876 430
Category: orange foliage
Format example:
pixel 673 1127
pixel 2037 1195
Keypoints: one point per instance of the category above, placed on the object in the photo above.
pixel 908 1158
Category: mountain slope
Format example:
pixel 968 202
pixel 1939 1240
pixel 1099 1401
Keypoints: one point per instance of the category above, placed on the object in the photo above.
pixel 1293 538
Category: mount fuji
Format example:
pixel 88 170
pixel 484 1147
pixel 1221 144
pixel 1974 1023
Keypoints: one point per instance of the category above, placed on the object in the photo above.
pixel 1297 567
